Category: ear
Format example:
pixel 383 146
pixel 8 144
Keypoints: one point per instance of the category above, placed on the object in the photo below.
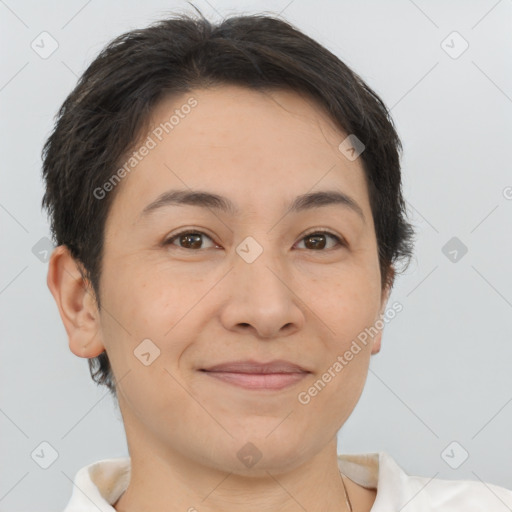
pixel 76 302
pixel 384 300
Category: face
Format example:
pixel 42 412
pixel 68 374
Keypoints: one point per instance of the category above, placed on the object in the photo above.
pixel 260 283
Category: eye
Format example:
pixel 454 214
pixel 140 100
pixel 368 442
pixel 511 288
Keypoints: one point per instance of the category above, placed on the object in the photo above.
pixel 192 240
pixel 189 239
pixel 316 239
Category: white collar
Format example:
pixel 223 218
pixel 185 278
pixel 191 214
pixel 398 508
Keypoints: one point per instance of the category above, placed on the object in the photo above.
pixel 99 485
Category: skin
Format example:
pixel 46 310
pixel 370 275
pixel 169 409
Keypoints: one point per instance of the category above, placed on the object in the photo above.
pixel 207 305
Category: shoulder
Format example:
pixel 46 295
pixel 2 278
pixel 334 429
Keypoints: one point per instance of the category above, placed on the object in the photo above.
pixel 100 484
pixel 420 493
pixel 397 490
pixel 459 495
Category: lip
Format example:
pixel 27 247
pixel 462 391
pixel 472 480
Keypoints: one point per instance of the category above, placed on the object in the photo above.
pixel 251 366
pixel 249 374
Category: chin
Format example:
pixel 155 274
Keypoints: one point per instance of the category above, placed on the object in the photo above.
pixel 254 451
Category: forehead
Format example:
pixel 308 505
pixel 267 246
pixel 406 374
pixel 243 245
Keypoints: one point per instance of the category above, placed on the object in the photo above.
pixel 229 114
pixel 245 144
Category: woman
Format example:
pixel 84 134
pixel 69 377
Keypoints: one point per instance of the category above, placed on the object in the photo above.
pixel 227 206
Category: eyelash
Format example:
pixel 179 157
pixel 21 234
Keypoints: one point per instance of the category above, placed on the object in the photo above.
pixel 340 241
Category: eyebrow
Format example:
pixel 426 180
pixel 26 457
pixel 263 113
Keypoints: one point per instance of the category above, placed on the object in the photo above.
pixel 205 199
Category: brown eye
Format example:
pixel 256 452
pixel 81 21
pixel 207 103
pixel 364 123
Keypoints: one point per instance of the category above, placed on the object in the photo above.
pixel 192 240
pixel 188 240
pixel 317 240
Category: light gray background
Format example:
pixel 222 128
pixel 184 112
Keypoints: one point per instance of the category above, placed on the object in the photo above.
pixel 443 373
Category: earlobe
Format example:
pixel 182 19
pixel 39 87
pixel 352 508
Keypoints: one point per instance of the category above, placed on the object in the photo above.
pixel 376 343
pixel 386 292
pixel 384 300
pixel 76 303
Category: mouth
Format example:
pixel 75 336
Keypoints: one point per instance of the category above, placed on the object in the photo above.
pixel 274 375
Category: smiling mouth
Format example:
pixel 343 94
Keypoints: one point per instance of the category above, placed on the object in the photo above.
pixel 274 375
pixel 270 381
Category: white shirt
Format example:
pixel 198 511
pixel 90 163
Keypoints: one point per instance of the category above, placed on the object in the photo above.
pixel 99 485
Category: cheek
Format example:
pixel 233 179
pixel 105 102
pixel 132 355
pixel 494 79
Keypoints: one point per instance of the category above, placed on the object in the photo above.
pixel 141 311
pixel 345 310
pixel 130 315
pixel 346 306
pixel 148 300
pixel 337 386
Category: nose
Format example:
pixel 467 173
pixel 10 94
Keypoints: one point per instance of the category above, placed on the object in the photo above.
pixel 262 297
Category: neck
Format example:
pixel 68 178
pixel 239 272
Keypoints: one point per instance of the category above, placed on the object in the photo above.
pixel 174 483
